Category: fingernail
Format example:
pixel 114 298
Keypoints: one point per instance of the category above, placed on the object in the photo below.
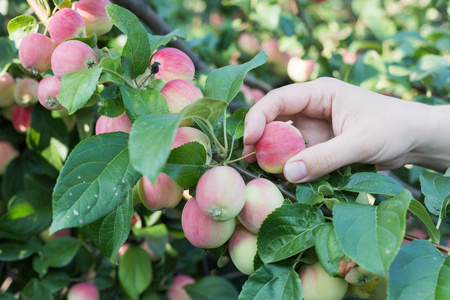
pixel 295 171
pixel 245 133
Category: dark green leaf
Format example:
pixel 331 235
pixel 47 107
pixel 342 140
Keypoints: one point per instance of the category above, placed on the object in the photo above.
pixel 435 187
pixel 21 26
pixel 8 51
pixel 35 290
pixel 206 109
pixel 212 288
pixel 111 64
pixel 111 98
pixel 12 251
pixel 313 192
pixel 374 183
pixel 328 249
pixel 428 65
pixel 143 102
pixel 91 40
pixel 417 209
pixel 161 40
pixel 156 237
pixel 235 123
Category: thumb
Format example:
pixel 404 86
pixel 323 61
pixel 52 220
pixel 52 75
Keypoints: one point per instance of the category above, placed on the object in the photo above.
pixel 321 159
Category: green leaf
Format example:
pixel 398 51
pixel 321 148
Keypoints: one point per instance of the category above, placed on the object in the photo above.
pixel 135 271
pixel 56 253
pixel 110 232
pixel 56 281
pixel 94 181
pixel 444 208
pixel 35 290
pixel 63 3
pixel 111 98
pixel 111 64
pixel 235 123
pixel 225 83
pixel 186 164
pixel 429 64
pixel 156 237
pixel 381 27
pixel 91 40
pixel 21 26
pixel 374 183
pixel 328 249
pixel 161 40
pixel 143 102
pixel 206 109
pixel 151 138
pixel 287 231
pixel 273 281
pixel 212 288
pixel 77 88
pixel 12 251
pixel 136 52
pixel 372 235
pixel 8 51
pixel 419 271
pixel 417 209
pixel 85 121
pixel 436 188
pixel 313 192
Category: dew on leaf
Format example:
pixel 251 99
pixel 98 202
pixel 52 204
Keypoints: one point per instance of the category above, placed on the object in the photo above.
pixel 75 212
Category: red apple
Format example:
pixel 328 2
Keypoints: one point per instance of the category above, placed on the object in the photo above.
pixel 83 291
pixel 26 91
pixel 220 193
pixel 204 232
pixel 176 290
pixel 46 237
pixel 243 249
pixel 165 193
pixel 189 134
pixel 277 59
pixel 299 70
pixel 6 90
pixel 66 24
pixel 106 124
pixel 35 53
pixel 262 198
pixel 47 91
pixel 173 64
pixel 21 117
pixel 318 285
pixel 94 14
pixel 7 154
pixel 248 44
pixel 279 142
pixel 72 56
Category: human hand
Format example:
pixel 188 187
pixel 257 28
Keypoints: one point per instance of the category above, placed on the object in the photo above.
pixel 345 124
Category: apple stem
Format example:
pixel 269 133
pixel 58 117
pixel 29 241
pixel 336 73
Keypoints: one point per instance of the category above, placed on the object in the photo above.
pixel 225 133
pixel 216 141
pixel 240 158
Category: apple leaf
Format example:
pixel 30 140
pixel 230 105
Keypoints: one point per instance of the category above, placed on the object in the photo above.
pixel 143 102
pixel 436 188
pixel 35 290
pixel 328 249
pixel 111 98
pixel 12 251
pixel 112 64
pixel 21 26
pixel 156 237
pixel 235 123
pixel 207 109
pixel 212 288
pixel 161 40
pixel 417 209
pixel 374 183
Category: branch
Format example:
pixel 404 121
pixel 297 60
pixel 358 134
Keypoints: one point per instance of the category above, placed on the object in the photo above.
pixel 298 9
pixel 40 12
pixel 443 249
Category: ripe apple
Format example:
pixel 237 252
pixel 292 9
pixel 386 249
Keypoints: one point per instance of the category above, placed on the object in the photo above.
pixel 35 52
pixel 21 117
pixel 262 198
pixel 279 142
pixel 189 134
pixel 7 154
pixel 72 56
pixel 46 237
pixel 66 24
pixel 243 249
pixel 204 232
pixel 300 70
pixel 94 15
pixel 106 124
pixel 47 91
pixel 165 193
pixel 176 290
pixel 26 91
pixel 220 193
pixel 248 44
pixel 6 90
pixel 318 285
pixel 83 291
pixel 277 59
pixel 173 64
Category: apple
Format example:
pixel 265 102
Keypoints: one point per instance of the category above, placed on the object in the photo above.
pixel 94 14
pixel 165 193
pixel 262 198
pixel 202 231
pixel 136 221
pixel 35 52
pixel 173 64
pixel 189 134
pixel 318 285
pixel 21 117
pixel 279 142
pixel 359 276
pixel 176 290
pixel 300 70
pixel 83 291
pixel 243 249
pixel 6 90
pixel 26 91
pixel 7 154
pixel 277 59
pixel 248 44
pixel 66 24
pixel 46 237
pixel 106 124
pixel 72 56
pixel 48 89
pixel 220 193
pixel 349 58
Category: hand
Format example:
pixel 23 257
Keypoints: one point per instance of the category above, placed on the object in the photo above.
pixel 345 124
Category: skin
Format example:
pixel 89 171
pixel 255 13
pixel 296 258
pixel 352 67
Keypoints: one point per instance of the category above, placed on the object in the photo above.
pixel 176 290
pixel 65 24
pixel 173 64
pixel 243 249
pixel 35 53
pixel 345 124
pixel 72 56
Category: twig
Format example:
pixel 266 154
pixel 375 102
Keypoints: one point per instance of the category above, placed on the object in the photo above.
pixel 444 249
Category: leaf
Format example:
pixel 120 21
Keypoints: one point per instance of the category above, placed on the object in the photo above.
pixel 94 181
pixel 78 87
pixel 235 123
pixel 417 209
pixel 8 51
pixel 225 83
pixel 136 52
pixel 373 183
pixel 113 105
pixel 435 187
pixel 151 138
pixel 111 64
pixel 429 64
pixel 12 251
pixel 313 192
pixel 212 288
pixel 161 40
pixel 91 40
pixel 110 232
pixel 156 237
pixel 186 164
pixel 273 281
pixel 431 282
pixel 287 231
pixel 381 27
pixel 21 26
pixel 35 290
pixel 206 109
pixel 135 271
pixel 372 235
pixel 56 253
pixel 444 208
pixel 143 102
pixel 328 249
